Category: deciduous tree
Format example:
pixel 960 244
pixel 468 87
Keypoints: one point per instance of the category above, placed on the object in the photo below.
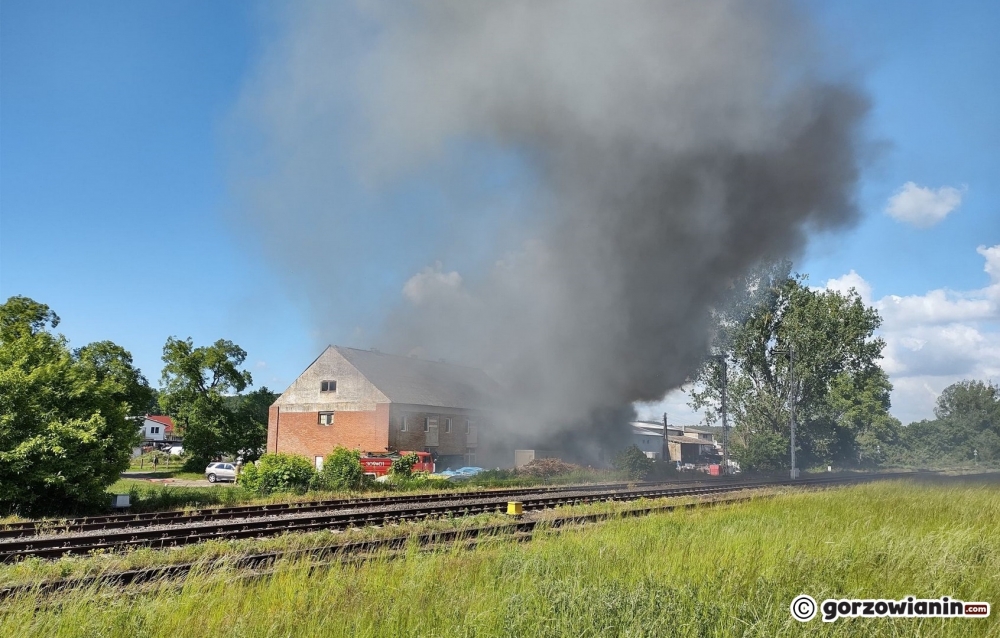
pixel 967 428
pixel 839 393
pixel 65 427
pixel 200 387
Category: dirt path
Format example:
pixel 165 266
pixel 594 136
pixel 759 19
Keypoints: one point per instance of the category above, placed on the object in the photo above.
pixel 162 478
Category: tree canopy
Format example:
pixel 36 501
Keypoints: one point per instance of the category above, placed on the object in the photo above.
pixel 967 428
pixel 66 426
pixel 833 382
pixel 201 387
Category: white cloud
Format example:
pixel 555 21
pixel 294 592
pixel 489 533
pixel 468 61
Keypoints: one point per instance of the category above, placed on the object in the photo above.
pixel 923 207
pixel 992 267
pixel 932 341
pixel 936 339
pixel 431 282
pixel 938 307
pixel 853 280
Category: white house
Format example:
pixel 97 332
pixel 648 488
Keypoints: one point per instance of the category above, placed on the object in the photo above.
pixel 157 428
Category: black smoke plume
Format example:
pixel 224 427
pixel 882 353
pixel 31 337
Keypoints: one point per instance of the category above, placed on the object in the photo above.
pixel 669 145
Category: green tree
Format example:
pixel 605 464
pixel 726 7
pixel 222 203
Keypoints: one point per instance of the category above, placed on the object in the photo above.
pixel 200 388
pixel 66 426
pixel 633 462
pixel 247 434
pixel 967 428
pixel 838 391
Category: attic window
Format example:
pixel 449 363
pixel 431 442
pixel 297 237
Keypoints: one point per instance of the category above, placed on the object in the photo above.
pixel 328 386
pixel 326 418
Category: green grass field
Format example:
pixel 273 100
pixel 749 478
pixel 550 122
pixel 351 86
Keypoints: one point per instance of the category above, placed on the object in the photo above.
pixel 729 570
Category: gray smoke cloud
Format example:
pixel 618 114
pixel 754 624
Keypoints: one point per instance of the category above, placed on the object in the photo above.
pixel 669 144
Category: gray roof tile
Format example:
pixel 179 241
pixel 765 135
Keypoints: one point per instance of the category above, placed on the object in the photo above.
pixel 421 382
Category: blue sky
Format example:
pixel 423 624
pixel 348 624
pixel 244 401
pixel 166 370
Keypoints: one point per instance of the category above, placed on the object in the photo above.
pixel 116 135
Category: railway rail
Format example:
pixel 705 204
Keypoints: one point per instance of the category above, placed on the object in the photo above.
pixel 275 523
pixel 173 517
pixel 357 550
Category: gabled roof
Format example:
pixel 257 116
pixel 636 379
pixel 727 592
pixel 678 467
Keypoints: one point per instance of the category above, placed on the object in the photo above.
pixel 164 420
pixel 421 382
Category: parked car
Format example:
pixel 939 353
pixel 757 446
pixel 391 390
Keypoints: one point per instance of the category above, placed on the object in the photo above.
pixel 220 472
pixel 174 450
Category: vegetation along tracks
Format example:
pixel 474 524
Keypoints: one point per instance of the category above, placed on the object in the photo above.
pixel 257 564
pixel 53 546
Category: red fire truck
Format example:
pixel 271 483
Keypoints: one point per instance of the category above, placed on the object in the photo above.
pixel 379 464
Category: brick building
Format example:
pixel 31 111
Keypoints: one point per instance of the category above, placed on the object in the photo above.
pixel 376 402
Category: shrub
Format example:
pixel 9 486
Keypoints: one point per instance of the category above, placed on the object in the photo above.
pixel 278 473
pixel 764 452
pixel 633 462
pixel 341 470
pixel 403 466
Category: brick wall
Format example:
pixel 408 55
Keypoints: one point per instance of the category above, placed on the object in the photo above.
pixel 414 438
pixel 301 433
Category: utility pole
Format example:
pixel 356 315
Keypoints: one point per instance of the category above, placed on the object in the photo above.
pixel 724 371
pixel 666 444
pixel 791 400
pixel 791 404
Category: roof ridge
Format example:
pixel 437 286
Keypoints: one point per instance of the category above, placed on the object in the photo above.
pixel 407 357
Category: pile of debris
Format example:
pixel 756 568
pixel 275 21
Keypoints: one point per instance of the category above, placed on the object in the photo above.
pixel 544 468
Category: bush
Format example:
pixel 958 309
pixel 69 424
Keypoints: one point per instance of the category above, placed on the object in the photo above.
pixel 341 470
pixel 403 466
pixel 278 473
pixel 633 462
pixel 764 452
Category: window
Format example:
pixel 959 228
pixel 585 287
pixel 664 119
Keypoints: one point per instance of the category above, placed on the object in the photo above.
pixel 328 386
pixel 468 426
pixel 402 424
pixel 154 430
pixel 427 424
pixel 326 418
pixel 447 426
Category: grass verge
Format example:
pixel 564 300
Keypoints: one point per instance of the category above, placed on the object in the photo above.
pixel 724 571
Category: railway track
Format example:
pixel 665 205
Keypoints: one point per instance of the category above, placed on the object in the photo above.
pixel 174 517
pixel 346 516
pixel 358 550
pixel 178 517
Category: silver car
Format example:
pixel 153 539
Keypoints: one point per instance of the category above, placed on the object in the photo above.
pixel 220 472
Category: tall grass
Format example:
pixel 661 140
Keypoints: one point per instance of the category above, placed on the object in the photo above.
pixel 724 571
